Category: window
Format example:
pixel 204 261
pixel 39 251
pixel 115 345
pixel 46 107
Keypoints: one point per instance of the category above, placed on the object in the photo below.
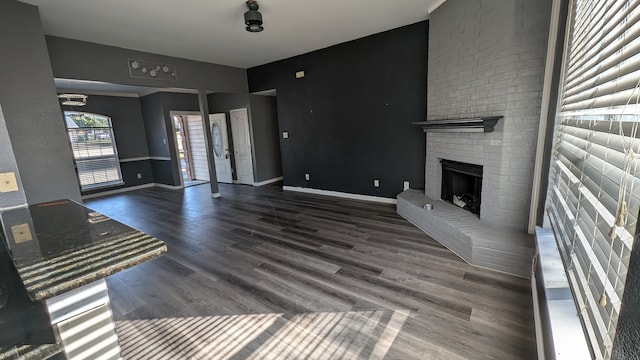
pixel 594 198
pixel 94 149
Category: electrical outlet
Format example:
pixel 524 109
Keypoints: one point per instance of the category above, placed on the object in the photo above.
pixel 8 182
pixel 285 134
pixel 376 183
pixel 299 74
pixel 306 176
pixel 139 176
pixel 21 233
pixel 405 185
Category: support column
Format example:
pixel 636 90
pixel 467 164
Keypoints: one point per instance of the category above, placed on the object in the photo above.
pixel 204 112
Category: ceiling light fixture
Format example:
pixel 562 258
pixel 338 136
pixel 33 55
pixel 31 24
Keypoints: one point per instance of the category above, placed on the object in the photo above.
pixel 253 18
pixel 73 99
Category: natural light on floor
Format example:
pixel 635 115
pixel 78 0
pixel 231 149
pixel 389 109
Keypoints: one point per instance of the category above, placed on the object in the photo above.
pixel 329 335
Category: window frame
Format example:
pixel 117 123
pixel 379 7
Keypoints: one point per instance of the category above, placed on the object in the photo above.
pixel 114 146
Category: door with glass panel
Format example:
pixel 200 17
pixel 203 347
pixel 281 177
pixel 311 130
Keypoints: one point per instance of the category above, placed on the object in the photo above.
pixel 220 143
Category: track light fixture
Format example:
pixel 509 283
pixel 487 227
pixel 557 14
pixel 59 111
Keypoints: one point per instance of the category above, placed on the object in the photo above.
pixel 73 99
pixel 253 18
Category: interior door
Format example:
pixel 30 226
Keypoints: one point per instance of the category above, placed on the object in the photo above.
pixel 241 145
pixel 220 141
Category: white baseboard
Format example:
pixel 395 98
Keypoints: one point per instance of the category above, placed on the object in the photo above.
pixel 267 182
pixel 341 194
pixel 118 191
pixel 170 187
pixel 216 195
pixel 134 159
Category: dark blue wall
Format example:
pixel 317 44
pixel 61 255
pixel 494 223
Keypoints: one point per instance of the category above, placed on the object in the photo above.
pixel 349 119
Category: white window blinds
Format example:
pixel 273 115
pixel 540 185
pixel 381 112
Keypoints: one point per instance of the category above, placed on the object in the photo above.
pixel 94 149
pixel 593 198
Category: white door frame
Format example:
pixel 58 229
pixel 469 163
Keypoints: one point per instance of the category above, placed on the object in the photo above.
pixel 175 139
pixel 249 142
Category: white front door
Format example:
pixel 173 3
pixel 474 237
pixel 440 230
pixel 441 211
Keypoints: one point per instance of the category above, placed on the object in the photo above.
pixel 220 142
pixel 241 145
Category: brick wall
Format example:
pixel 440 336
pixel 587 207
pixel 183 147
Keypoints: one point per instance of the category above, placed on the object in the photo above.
pixel 486 58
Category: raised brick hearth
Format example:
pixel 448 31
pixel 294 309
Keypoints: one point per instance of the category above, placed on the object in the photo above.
pixel 462 232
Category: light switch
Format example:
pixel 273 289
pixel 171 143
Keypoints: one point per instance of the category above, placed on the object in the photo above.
pixel 299 74
pixel 376 183
pixel 21 233
pixel 8 182
pixel 285 134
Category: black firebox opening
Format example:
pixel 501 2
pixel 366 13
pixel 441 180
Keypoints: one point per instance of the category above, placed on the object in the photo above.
pixel 462 184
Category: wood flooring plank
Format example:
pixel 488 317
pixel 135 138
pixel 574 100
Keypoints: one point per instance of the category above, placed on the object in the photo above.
pixel 266 274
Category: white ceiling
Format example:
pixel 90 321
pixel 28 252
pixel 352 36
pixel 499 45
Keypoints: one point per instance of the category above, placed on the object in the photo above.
pixel 213 30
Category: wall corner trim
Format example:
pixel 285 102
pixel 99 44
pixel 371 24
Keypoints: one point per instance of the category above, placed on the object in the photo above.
pixel 435 6
pixel 267 182
pixel 378 199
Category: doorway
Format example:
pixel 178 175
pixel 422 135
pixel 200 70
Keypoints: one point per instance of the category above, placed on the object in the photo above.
pixel 191 149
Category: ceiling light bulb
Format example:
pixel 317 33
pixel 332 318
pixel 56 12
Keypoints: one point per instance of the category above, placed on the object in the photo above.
pixel 165 69
pixel 144 70
pixel 135 65
pixel 153 73
pixel 254 28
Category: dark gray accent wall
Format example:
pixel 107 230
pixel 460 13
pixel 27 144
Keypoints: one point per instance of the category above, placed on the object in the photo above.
pixel 156 110
pixel 129 133
pixel 74 59
pixel 266 143
pixel 31 109
pixel 349 119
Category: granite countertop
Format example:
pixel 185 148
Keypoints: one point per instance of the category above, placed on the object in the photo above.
pixel 61 245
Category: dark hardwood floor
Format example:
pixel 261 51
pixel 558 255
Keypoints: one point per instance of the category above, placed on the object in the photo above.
pixel 262 274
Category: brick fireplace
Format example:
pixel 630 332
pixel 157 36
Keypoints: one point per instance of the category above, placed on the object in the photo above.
pixel 486 59
pixel 492 236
